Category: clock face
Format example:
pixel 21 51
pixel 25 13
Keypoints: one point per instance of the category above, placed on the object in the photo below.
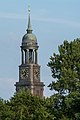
pixel 24 73
pixel 36 74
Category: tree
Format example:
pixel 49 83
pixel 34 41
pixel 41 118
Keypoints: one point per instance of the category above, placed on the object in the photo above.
pixel 65 67
pixel 5 112
pixel 72 104
pixel 25 106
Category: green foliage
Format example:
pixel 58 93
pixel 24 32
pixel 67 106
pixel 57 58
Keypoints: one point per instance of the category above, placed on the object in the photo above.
pixel 24 106
pixel 65 67
pixel 72 102
pixel 5 112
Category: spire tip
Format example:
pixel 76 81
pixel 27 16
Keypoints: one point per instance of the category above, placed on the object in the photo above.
pixel 29 29
pixel 29 9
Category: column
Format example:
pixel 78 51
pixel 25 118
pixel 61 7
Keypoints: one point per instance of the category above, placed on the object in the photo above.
pixel 33 56
pixel 36 56
pixel 27 55
pixel 22 56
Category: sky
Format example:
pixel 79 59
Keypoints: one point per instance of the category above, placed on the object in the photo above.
pixel 53 21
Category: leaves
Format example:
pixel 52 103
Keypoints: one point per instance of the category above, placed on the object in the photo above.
pixel 25 106
pixel 65 67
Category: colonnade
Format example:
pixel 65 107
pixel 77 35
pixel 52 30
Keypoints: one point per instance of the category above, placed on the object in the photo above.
pixel 29 56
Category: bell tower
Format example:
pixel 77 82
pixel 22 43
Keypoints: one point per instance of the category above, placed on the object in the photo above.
pixel 29 70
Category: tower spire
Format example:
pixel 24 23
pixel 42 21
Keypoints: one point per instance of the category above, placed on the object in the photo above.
pixel 29 29
pixel 29 70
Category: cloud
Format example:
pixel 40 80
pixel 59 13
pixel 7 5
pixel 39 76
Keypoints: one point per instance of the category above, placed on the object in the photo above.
pixel 11 16
pixel 59 21
pixel 40 18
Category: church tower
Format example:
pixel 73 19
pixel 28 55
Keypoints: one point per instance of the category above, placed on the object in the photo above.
pixel 29 70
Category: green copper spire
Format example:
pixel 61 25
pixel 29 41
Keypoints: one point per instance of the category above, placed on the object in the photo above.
pixel 29 29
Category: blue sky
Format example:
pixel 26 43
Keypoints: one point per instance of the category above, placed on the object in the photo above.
pixel 53 21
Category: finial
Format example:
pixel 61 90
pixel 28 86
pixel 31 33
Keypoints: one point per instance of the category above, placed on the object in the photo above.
pixel 29 29
pixel 29 9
